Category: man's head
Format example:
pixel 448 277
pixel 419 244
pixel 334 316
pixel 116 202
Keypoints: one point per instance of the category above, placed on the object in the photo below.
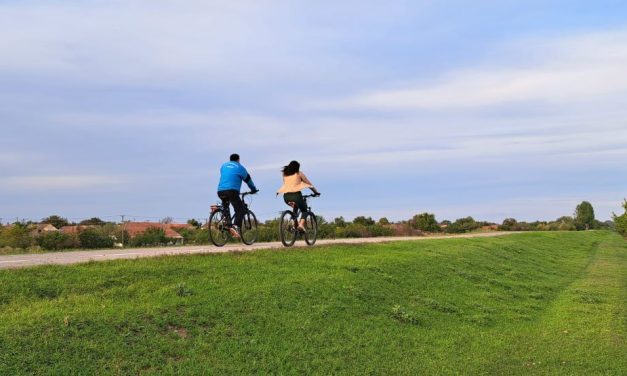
pixel 234 157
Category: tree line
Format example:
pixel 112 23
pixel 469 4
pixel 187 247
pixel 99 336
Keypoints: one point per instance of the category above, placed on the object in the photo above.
pixel 95 233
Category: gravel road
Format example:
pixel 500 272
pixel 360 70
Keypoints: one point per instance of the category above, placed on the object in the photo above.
pixel 76 257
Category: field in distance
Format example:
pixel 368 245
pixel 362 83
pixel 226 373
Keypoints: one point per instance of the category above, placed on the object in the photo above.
pixel 539 303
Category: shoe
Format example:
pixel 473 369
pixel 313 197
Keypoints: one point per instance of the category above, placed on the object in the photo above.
pixel 301 230
pixel 234 232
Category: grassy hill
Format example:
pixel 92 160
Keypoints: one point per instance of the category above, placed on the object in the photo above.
pixel 541 303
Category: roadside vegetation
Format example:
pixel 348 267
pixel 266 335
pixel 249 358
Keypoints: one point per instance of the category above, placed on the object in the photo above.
pixel 94 233
pixel 551 303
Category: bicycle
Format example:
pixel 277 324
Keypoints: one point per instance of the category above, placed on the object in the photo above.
pixel 220 222
pixel 289 224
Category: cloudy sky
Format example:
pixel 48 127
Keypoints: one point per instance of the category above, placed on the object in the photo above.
pixel 492 109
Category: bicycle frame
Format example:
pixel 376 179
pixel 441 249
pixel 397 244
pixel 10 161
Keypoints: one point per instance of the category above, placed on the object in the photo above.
pixel 226 211
pixel 295 208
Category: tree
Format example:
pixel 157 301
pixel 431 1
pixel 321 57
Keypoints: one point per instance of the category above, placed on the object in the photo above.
pixel 56 220
pixel 167 220
pixel 509 224
pixel 339 222
pixel 193 222
pixel 425 222
pixel 384 221
pixel 95 221
pixel 620 222
pixel 584 216
pixel 361 220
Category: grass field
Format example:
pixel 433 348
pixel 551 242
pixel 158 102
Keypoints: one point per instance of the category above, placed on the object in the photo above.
pixel 536 303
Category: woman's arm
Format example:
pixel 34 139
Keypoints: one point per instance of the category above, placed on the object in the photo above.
pixel 305 180
pixel 303 177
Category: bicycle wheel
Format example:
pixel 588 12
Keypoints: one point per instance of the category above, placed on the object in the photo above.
pixel 218 229
pixel 311 228
pixel 248 231
pixel 288 228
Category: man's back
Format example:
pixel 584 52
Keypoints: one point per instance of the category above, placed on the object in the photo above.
pixel 231 176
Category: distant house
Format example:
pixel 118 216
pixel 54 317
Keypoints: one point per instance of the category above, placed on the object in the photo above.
pixel 42 228
pixel 74 229
pixel 170 229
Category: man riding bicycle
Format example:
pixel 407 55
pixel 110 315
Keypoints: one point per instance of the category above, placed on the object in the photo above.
pixel 231 176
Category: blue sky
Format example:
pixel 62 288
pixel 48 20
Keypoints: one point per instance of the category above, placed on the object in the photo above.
pixel 492 109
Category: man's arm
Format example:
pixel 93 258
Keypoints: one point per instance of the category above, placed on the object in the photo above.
pixel 248 180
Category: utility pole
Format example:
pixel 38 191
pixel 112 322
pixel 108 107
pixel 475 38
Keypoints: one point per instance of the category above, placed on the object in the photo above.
pixel 123 228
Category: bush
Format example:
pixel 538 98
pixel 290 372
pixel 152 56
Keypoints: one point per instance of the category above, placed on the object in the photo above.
pixel 425 222
pixel 16 236
pixel 151 237
pixel 364 221
pixel 463 225
pixel 91 238
pixel 54 241
pixel 620 222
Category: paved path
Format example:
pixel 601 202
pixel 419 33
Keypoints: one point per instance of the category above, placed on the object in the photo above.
pixel 75 257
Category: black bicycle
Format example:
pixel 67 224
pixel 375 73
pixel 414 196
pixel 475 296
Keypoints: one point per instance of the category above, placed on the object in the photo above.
pixel 289 225
pixel 220 222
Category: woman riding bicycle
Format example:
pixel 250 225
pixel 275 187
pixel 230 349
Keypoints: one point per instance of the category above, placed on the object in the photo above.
pixel 294 181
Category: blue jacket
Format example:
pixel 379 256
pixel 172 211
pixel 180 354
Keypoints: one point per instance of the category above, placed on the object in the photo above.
pixel 231 176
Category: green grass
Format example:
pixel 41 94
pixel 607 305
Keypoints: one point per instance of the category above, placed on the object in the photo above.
pixel 540 303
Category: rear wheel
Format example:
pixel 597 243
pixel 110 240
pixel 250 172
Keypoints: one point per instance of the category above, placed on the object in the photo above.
pixel 311 228
pixel 288 228
pixel 248 231
pixel 218 229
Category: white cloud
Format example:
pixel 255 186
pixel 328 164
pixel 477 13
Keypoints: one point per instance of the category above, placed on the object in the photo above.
pixel 158 43
pixel 59 182
pixel 584 68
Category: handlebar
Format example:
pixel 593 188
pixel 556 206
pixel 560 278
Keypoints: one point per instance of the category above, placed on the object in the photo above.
pixel 244 194
pixel 311 195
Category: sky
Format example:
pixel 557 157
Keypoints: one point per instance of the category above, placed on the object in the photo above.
pixel 492 109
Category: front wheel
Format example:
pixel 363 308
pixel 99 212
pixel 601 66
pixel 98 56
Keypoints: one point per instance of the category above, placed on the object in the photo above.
pixel 218 229
pixel 311 228
pixel 288 228
pixel 249 228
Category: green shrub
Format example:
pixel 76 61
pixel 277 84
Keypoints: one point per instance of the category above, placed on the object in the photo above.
pixel 54 241
pixel 462 225
pixel 91 238
pixel 425 222
pixel 620 222
pixel 151 237
pixel 16 236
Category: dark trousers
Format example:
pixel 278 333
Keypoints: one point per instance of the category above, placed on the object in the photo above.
pixel 296 198
pixel 232 196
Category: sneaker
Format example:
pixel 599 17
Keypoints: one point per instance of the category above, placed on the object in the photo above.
pixel 234 232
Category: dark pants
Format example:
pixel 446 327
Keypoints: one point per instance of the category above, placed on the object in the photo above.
pixel 296 198
pixel 232 196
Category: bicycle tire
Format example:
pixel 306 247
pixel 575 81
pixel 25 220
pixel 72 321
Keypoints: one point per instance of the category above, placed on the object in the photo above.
pixel 218 232
pixel 249 230
pixel 288 228
pixel 311 228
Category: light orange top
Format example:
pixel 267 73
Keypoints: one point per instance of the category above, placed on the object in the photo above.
pixel 295 183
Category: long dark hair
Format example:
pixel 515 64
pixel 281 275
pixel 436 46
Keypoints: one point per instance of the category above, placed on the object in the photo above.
pixel 291 168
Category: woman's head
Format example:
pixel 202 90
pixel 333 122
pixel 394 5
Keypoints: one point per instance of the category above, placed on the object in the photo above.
pixel 291 168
